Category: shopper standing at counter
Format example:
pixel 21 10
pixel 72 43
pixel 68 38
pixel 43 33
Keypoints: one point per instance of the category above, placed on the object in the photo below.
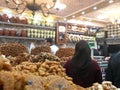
pixel 82 68
pixel 105 50
pixel 54 48
pixel 113 70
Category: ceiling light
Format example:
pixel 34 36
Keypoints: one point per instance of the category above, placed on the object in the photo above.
pixel 65 19
pixel 118 21
pixel 95 8
pixel 59 5
pixel 82 12
pixel 7 11
pixel 73 16
pixel 101 17
pixel 111 1
pixel 20 6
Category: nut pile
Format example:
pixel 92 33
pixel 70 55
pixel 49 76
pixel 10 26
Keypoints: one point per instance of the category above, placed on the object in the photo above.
pixel 18 59
pixel 106 85
pixel 39 49
pixel 59 83
pixel 13 80
pixel 42 68
pixel 43 56
pixel 12 49
pixel 65 52
pixel 65 58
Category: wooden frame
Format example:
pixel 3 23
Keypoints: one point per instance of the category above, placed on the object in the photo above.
pixel 61 34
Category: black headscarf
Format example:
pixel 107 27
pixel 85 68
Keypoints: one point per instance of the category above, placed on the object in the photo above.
pixel 81 60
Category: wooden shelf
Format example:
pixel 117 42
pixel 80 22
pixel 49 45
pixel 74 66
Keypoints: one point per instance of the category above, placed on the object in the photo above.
pixel 25 38
pixel 75 32
pixel 27 25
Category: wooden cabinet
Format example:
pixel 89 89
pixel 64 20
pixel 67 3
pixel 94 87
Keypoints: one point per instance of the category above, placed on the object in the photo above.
pixel 61 34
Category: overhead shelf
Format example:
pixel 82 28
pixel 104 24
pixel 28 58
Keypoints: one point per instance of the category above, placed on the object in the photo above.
pixel 27 25
pixel 75 32
pixel 23 38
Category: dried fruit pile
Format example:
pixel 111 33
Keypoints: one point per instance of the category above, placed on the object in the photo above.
pixel 19 59
pixel 20 81
pixel 44 74
pixel 106 85
pixel 40 49
pixel 12 49
pixel 65 52
pixel 42 68
pixel 43 56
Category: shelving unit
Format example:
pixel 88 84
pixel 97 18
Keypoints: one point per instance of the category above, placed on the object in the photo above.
pixel 26 25
pixel 76 32
pixel 33 33
pixel 25 38
pixel 81 29
pixel 113 31
pixel 30 31
pixel 113 34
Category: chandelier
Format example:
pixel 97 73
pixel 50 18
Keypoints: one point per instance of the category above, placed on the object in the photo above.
pixel 20 6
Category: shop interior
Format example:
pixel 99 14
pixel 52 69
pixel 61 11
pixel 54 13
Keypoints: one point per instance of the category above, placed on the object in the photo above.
pixel 95 20
pixel 30 22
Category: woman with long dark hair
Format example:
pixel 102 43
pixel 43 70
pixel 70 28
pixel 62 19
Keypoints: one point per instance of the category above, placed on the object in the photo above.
pixel 83 70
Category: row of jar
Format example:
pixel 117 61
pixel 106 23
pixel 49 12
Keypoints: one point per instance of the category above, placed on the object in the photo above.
pixel 24 20
pixel 28 33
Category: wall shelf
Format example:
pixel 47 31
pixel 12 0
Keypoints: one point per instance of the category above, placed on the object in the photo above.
pixel 32 33
pixel 22 38
pixel 27 25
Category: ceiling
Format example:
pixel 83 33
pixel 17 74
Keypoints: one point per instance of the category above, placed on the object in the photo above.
pixel 107 14
pixel 71 5
pixel 74 9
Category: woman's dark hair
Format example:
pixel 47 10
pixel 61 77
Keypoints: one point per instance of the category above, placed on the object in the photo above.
pixel 81 60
